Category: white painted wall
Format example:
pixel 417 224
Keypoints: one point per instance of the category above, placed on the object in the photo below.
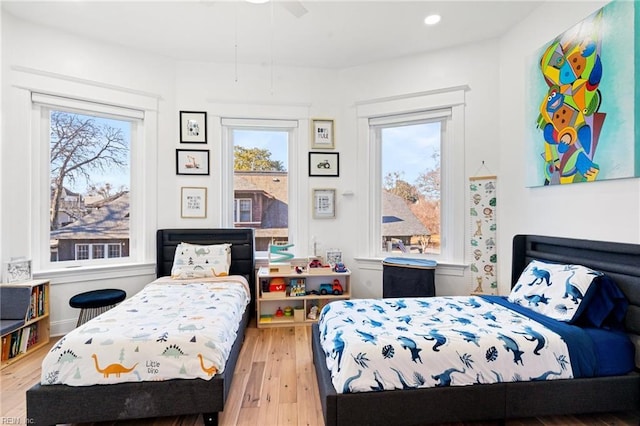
pixel 37 51
pixel 493 70
pixel 605 210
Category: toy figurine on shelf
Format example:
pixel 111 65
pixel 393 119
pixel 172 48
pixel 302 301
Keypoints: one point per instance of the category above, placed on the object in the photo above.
pixel 315 263
pixel 313 313
pixel 279 312
pixel 339 267
pixel 279 253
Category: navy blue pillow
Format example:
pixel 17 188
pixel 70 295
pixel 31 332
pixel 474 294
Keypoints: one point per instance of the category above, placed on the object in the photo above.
pixel 606 307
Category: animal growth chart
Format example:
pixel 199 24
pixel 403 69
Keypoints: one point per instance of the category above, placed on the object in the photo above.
pixel 482 214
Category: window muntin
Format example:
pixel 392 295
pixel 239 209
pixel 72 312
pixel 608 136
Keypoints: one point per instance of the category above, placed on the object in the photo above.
pixel 242 209
pixel 97 251
pixel 94 251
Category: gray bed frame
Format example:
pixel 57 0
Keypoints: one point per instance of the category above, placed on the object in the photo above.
pixel 48 405
pixel 501 401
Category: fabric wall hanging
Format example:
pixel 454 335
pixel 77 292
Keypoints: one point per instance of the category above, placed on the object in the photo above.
pixel 482 215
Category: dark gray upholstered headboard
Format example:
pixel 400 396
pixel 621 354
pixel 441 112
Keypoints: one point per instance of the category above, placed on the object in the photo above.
pixel 242 253
pixel 621 261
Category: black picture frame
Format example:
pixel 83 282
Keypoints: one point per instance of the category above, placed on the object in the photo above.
pixel 324 164
pixel 193 127
pixel 192 162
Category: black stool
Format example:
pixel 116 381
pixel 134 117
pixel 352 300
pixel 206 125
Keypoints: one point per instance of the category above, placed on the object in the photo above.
pixel 93 303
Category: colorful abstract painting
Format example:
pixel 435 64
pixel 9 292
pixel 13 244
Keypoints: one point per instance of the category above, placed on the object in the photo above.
pixel 581 101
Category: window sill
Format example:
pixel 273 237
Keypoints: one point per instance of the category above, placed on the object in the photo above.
pixel 81 274
pixel 443 268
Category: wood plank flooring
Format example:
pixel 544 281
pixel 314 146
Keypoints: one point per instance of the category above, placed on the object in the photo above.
pixel 274 385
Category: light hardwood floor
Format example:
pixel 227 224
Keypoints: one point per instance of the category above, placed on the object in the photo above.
pixel 274 384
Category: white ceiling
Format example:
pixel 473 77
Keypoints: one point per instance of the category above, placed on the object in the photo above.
pixel 328 34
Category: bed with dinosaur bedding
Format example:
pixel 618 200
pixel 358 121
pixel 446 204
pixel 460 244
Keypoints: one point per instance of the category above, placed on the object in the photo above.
pixel 169 350
pixel 563 341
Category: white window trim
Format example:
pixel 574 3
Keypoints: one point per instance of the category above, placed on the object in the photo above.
pixel 237 203
pixel 46 84
pixel 452 214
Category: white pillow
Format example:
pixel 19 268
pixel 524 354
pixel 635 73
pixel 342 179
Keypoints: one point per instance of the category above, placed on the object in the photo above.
pixel 554 290
pixel 200 261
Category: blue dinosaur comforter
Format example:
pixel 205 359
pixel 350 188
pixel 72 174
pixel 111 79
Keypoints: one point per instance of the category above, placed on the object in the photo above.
pixel 172 329
pixel 403 343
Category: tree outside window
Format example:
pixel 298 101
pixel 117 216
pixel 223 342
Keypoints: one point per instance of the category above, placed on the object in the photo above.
pixel 89 181
pixel 410 156
pixel 261 190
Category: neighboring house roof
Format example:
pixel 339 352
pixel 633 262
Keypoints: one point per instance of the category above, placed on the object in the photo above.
pixel 402 221
pixel 274 184
pixel 67 192
pixel 108 219
pixel 398 219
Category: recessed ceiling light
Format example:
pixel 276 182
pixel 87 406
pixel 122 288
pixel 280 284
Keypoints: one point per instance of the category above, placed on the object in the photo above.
pixel 432 19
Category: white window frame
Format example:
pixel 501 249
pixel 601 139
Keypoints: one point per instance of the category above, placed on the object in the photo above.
pixel 293 171
pixel 106 247
pixel 447 104
pixel 44 104
pixel 238 211
pixel 143 196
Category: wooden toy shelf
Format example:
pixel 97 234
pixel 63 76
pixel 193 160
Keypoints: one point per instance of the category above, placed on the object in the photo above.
pixel 312 284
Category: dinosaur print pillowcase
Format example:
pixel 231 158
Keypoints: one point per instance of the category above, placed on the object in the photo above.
pixel 201 261
pixel 558 291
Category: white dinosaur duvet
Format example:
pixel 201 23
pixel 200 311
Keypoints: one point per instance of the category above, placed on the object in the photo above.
pixel 403 343
pixel 170 330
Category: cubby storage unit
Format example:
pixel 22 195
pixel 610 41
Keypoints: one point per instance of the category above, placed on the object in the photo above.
pixel 312 283
pixel 24 319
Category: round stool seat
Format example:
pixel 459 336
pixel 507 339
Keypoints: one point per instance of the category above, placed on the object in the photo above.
pixel 97 298
pixel 93 303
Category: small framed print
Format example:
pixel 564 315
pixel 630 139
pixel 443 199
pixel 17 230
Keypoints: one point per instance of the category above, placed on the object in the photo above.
pixel 17 271
pixel 194 202
pixel 322 132
pixel 192 161
pixel 193 127
pixel 324 203
pixel 324 164
pixel 333 256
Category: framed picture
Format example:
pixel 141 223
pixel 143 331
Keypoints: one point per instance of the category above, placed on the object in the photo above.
pixel 193 127
pixel 192 161
pixel 17 270
pixel 194 202
pixel 334 256
pixel 324 164
pixel 322 134
pixel 324 203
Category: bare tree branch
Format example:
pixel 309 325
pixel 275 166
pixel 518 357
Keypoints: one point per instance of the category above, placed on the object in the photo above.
pixel 79 146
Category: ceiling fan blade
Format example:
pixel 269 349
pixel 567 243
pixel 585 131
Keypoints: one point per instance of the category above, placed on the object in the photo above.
pixel 295 7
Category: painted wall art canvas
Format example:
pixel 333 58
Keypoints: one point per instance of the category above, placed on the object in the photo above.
pixel 582 96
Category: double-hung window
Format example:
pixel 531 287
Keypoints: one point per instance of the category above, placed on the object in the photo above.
pixel 92 180
pixel 263 178
pixel 413 175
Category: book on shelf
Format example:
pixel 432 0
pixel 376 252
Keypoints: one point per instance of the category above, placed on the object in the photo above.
pixel 33 335
pixel 6 347
pixel 24 339
pixel 15 344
